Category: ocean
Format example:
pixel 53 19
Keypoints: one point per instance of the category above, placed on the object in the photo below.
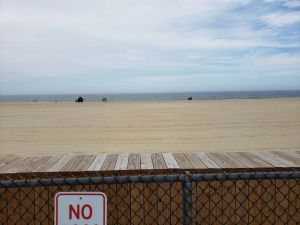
pixel 154 96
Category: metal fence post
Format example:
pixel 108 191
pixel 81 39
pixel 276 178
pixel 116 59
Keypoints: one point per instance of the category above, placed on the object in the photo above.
pixel 187 199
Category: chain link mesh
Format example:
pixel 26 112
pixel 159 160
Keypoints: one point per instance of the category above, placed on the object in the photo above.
pixel 161 201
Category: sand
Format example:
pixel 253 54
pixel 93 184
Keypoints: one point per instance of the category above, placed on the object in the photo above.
pixel 150 126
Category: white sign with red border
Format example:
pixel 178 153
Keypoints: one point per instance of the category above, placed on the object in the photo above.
pixel 80 208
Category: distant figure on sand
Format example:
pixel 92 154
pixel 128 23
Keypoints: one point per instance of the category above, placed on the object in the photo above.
pixel 104 99
pixel 190 98
pixel 79 99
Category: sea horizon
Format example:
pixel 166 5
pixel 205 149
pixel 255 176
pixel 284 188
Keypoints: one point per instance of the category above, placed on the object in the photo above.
pixel 201 95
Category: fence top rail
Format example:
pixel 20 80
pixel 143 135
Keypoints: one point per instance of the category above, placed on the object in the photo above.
pixel 186 177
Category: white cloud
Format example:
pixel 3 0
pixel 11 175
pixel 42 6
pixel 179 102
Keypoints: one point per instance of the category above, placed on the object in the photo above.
pixel 287 3
pixel 279 19
pixel 145 38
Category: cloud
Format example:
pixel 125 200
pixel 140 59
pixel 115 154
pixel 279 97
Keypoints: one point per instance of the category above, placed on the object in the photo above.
pixel 107 40
pixel 279 19
pixel 287 3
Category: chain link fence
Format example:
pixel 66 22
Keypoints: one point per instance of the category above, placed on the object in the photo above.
pixel 224 198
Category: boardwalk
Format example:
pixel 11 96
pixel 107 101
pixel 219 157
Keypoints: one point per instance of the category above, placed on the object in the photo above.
pixel 147 161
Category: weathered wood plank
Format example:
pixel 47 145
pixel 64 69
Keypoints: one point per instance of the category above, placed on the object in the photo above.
pixel 60 163
pixel 158 161
pixel 170 160
pixel 122 162
pixel 202 203
pixel 20 166
pixel 259 162
pixel 4 159
pixel 234 163
pixel 283 159
pixel 207 160
pixel 248 163
pixel 85 163
pixel 219 160
pixel 183 162
pixel 110 162
pixel 137 200
pixel 267 197
pixel 97 163
pixel 270 159
pixel 146 161
pixel 195 161
pixel 255 205
pixel 48 164
pixel 35 164
pixel 289 157
pixel 11 164
pixel 73 163
pixel 134 162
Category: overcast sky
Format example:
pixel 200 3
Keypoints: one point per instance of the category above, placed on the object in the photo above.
pixel 97 46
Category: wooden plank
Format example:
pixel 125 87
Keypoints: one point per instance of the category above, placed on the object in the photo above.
pixel 255 206
pixel 163 204
pixel 241 203
pixel 248 163
pixel 176 203
pixel 60 163
pixel 282 204
pixel 183 162
pixel 35 164
pixel 244 161
pixel 289 157
pixel 4 159
pixel 207 160
pixel 259 162
pixel 296 154
pixel 150 204
pixel 270 159
pixel 48 164
pixel 215 199
pixel 158 161
pixel 134 162
pixel 41 205
pixel 73 163
pixel 195 161
pixel 27 203
pixel 146 161
pixel 280 159
pixel 12 204
pixel 234 162
pixel 228 202
pixel 294 201
pixel 21 165
pixel 122 162
pixel 97 163
pixel 110 162
pixel 219 160
pixel 11 164
pixel 85 163
pixel 268 201
pixel 170 160
pixel 137 214
pixel 202 203
pixel 123 202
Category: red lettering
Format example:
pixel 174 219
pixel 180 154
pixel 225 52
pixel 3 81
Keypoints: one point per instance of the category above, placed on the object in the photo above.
pixel 75 211
pixel 83 211
pixel 86 212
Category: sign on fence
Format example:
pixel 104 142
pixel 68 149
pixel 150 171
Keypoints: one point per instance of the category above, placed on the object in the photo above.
pixel 80 208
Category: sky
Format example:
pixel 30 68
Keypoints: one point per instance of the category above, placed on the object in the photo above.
pixel 132 46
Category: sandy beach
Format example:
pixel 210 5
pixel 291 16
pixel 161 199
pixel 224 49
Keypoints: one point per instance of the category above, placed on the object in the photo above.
pixel 149 126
